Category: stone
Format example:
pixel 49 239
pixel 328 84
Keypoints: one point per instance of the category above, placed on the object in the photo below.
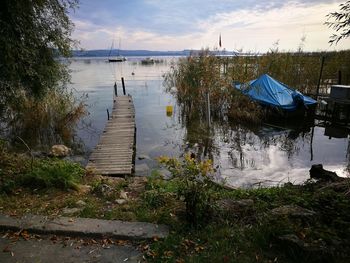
pixel 112 180
pixel 84 189
pixel 123 194
pixel 142 169
pixel 165 173
pixel 44 250
pixel 85 227
pixel 292 210
pixel 80 203
pixel 315 250
pixel 233 205
pixel 138 183
pixel 60 150
pixel 105 188
pixel 120 201
pixel 70 211
pixel 317 172
pixel 144 156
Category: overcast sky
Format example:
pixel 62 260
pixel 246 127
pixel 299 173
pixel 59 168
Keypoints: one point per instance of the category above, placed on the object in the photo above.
pixel 251 25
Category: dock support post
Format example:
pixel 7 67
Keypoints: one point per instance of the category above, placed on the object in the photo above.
pixel 319 79
pixel 108 114
pixel 115 89
pixel 123 86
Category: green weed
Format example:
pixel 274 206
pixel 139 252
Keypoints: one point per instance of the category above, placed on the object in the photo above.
pixel 53 173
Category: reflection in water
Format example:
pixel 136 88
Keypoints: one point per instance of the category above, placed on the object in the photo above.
pixel 244 156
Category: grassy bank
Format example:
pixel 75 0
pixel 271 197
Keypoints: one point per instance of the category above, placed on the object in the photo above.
pixel 209 223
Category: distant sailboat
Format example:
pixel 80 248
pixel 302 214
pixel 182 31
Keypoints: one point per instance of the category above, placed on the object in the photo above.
pixel 117 58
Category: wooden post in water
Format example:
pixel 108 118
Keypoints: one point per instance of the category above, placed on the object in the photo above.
pixel 123 86
pixel 115 89
pixel 339 77
pixel 208 109
pixel 108 114
pixel 319 79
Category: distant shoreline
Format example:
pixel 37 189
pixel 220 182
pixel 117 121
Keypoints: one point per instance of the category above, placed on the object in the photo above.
pixel 138 53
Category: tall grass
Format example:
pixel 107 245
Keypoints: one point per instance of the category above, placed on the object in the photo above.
pixel 193 77
pixel 46 120
pixel 299 70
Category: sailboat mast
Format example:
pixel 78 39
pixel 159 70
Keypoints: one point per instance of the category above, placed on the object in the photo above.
pixel 119 47
pixel 110 51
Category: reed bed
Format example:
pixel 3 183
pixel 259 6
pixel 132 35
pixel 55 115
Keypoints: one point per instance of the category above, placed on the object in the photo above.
pixel 193 77
pixel 44 121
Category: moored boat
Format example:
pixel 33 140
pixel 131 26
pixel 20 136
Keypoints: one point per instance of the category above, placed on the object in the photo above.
pixel 277 96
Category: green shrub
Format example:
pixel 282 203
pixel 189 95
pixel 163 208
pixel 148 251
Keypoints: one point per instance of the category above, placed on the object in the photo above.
pixel 53 173
pixel 194 186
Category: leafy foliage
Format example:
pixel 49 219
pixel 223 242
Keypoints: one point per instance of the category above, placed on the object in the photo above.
pixel 194 186
pixel 340 23
pixel 19 170
pixel 32 34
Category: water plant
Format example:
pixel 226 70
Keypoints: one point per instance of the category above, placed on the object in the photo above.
pixel 195 78
pixel 47 121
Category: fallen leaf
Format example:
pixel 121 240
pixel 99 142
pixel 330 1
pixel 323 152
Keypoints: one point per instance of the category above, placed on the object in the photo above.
pixel 199 248
pixel 25 235
pixel 168 254
pixel 6 249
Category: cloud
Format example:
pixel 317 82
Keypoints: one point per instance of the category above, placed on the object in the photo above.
pixel 169 25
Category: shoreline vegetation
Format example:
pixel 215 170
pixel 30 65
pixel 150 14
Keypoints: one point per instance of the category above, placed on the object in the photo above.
pixel 209 223
pixel 287 223
pixel 194 77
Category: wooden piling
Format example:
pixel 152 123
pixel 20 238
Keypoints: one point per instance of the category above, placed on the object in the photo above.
pixel 123 86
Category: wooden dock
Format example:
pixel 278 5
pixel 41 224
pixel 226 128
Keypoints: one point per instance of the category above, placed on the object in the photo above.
pixel 114 154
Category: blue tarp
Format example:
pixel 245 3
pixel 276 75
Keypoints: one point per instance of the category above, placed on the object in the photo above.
pixel 268 91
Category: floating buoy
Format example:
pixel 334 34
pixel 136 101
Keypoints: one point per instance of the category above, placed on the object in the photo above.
pixel 169 111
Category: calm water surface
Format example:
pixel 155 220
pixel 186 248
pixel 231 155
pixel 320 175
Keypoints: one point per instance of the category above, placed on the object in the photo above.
pixel 268 155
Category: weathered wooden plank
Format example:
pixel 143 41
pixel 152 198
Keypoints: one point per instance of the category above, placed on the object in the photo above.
pixel 114 153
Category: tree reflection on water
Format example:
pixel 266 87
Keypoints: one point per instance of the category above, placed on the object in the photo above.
pixel 269 154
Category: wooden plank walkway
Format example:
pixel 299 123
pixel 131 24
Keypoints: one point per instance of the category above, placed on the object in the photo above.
pixel 114 154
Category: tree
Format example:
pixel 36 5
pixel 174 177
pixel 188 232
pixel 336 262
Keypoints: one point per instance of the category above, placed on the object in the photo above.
pixel 340 22
pixel 32 34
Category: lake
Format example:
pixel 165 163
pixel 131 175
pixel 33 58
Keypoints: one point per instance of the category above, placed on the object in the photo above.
pixel 268 155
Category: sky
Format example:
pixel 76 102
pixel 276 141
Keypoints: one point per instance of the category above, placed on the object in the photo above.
pixel 247 25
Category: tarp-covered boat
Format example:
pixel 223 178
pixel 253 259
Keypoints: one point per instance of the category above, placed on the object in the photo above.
pixel 270 92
